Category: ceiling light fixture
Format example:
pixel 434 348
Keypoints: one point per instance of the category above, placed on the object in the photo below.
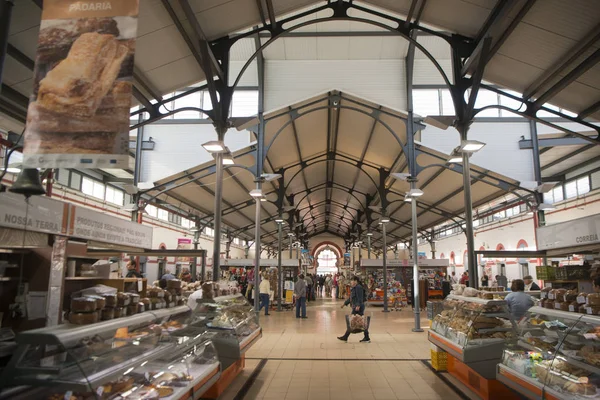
pixel 256 193
pixel 263 199
pixel 455 160
pixel 471 146
pixel 407 199
pixel 546 207
pixel 415 193
pixel 215 146
pixel 400 175
pixel 369 233
pixel 279 220
pixel 385 220
pixel 270 177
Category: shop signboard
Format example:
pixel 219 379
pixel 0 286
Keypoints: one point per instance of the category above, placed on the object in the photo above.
pixel 575 233
pixel 183 244
pixel 89 224
pixel 37 214
pixel 78 114
pixel 346 259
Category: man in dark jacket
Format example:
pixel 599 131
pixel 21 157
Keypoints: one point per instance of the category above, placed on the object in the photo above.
pixel 357 302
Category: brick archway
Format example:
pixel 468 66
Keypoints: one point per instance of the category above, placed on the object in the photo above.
pixel 326 243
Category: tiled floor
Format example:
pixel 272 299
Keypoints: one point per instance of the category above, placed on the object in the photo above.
pixel 306 361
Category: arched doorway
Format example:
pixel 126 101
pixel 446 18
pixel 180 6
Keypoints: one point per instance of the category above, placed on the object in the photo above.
pixel 327 262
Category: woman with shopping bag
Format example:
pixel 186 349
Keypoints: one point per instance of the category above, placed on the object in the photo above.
pixel 356 321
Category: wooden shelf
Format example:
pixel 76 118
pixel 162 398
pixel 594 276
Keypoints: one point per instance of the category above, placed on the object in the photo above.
pixel 83 257
pixel 15 251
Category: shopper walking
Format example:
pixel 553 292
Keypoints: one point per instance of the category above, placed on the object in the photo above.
pixel 300 294
pixel 309 284
pixel 265 293
pixel 357 302
pixel 328 286
pixel 341 286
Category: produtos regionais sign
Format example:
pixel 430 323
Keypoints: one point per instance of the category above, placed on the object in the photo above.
pixel 579 232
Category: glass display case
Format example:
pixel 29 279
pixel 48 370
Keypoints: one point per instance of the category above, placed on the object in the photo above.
pixel 144 356
pixel 233 322
pixel 556 356
pixel 474 331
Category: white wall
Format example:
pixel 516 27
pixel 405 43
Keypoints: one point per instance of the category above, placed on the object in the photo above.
pixel 289 81
pixel 509 232
pixel 502 144
pixel 179 147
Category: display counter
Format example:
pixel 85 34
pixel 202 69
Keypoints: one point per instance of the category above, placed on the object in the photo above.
pixel 144 356
pixel 556 356
pixel 473 331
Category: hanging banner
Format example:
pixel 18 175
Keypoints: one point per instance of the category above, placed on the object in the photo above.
pixel 184 244
pixel 78 115
pixel 38 214
pixel 89 224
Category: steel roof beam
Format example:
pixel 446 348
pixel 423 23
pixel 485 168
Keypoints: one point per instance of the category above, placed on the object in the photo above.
pixel 13 111
pixel 20 57
pixel 491 27
pixel 569 78
pixel 590 110
pixel 198 45
pixel 526 144
pixel 566 60
pixel 567 156
pixel 14 96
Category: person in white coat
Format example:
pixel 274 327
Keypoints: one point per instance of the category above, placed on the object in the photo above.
pixel 265 293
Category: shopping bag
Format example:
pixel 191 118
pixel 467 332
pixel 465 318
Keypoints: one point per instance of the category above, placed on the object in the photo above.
pixel 357 323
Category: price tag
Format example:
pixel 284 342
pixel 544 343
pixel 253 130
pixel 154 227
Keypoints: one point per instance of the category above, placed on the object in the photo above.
pixel 590 336
pixel 68 395
pixel 470 323
pixel 100 391
pixel 147 375
pixel 140 286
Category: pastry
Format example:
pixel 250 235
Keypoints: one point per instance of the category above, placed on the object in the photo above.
pixel 146 302
pixel 83 305
pixel 571 295
pixel 55 42
pixel 164 391
pixel 108 313
pixel 156 292
pixel 77 85
pixel 83 318
pixel 141 307
pixel 111 300
pixel 174 284
pixel 581 298
pixel 132 309
pixel 123 299
pixel 120 312
pixel 100 301
pixel 593 299
pixel 135 298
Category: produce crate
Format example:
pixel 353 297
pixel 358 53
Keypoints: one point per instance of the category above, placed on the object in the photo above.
pixel 546 273
pixel 561 273
pixel 439 360
pixel 572 272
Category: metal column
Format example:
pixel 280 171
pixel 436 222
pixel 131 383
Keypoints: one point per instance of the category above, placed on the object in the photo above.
pixel 257 251
pixel 279 271
pixel 369 247
pixel 415 257
pixel 5 16
pixel 539 218
pixel 291 251
pixel 385 288
pixel 217 220
pixel 473 276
